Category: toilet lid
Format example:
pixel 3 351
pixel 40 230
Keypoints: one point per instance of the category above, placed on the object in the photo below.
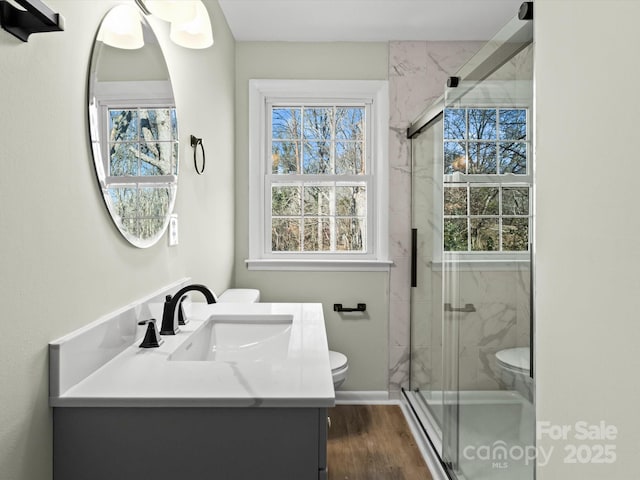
pixel 337 360
pixel 515 358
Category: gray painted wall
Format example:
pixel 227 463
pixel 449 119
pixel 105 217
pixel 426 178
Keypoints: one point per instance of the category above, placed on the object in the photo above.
pixel 63 263
pixel 363 339
pixel 587 326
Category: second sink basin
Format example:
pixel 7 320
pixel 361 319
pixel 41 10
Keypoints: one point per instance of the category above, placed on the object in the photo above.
pixel 238 338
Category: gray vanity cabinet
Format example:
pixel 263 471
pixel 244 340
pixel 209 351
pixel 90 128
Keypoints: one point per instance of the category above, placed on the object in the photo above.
pixel 190 443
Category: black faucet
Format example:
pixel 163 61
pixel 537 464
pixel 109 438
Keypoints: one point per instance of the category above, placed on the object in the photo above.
pixel 169 317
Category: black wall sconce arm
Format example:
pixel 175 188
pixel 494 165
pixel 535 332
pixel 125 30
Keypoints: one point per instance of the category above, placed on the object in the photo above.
pixel 36 18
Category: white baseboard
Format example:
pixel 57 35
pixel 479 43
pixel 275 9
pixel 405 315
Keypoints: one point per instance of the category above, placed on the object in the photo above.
pixel 350 397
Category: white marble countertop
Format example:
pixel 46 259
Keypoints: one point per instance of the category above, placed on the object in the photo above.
pixel 140 377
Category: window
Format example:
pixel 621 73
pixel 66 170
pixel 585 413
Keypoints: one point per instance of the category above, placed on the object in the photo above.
pixel 319 178
pixel 487 180
pixel 318 174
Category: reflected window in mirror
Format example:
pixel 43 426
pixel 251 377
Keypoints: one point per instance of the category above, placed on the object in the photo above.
pixel 142 143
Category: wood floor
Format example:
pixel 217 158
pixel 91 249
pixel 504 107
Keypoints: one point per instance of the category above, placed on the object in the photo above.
pixel 373 442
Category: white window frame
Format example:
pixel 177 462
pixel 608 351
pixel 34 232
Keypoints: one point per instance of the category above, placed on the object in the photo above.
pixel 265 93
pixel 487 260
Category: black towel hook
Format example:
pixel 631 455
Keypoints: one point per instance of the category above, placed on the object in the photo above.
pixel 194 143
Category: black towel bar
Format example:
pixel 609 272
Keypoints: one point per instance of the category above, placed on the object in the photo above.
pixel 337 307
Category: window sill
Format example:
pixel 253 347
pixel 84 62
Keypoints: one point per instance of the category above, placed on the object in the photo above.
pixel 315 265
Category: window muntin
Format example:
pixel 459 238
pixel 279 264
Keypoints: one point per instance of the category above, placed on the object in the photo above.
pixel 489 141
pixel 487 183
pixel 142 141
pixel 486 218
pixel 318 178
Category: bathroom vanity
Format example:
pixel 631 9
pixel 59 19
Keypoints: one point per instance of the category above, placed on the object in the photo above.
pixel 195 443
pixel 241 392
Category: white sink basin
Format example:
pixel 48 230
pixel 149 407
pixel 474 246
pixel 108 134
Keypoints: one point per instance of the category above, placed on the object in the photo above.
pixel 238 338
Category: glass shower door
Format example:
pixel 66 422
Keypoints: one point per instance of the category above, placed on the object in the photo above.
pixel 451 316
pixel 488 424
pixel 426 302
pixel 471 314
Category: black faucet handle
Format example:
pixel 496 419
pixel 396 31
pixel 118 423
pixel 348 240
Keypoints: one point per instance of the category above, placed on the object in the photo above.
pixel 151 337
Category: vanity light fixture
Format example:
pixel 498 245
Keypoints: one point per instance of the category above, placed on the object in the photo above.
pixel 195 33
pixel 171 10
pixel 190 22
pixel 33 17
pixel 122 28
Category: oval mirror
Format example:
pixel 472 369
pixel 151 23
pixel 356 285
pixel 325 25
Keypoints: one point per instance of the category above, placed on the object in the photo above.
pixel 133 126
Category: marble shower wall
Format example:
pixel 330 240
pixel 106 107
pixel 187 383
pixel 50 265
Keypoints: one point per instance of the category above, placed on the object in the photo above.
pixel 417 75
pixel 418 72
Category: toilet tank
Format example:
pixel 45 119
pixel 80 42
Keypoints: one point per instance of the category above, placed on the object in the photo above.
pixel 240 295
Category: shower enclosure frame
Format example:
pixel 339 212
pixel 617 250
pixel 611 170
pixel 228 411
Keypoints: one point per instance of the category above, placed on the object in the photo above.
pixel 506 44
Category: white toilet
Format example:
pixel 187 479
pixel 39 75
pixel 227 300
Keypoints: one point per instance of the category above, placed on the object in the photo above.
pixel 515 364
pixel 339 367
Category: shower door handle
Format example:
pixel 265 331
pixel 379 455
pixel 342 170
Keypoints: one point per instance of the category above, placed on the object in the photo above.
pixel 414 257
pixel 468 308
pixel 531 307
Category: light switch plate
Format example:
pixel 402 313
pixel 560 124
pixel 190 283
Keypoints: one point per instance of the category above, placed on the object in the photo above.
pixel 173 230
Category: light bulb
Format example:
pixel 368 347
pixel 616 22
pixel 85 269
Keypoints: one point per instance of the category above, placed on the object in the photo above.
pixel 195 33
pixel 122 28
